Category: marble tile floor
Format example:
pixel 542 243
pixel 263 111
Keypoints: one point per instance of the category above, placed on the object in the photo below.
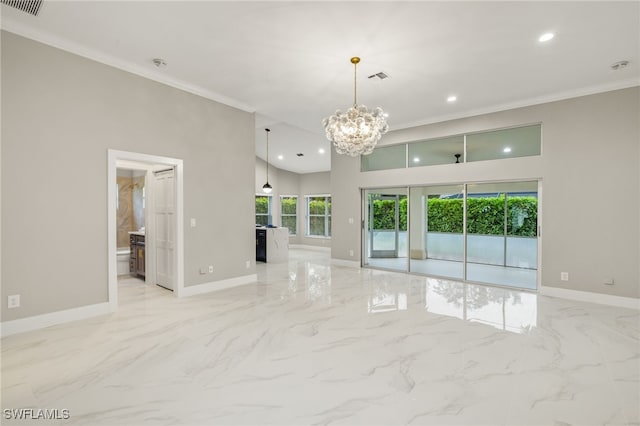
pixel 311 343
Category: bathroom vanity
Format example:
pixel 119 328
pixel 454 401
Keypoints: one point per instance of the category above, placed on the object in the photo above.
pixel 137 256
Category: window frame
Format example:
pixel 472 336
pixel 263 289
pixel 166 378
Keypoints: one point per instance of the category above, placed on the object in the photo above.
pixel 295 215
pixel 269 213
pixel 326 215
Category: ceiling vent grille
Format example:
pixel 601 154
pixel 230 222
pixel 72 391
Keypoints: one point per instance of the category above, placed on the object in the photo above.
pixel 29 6
pixel 381 75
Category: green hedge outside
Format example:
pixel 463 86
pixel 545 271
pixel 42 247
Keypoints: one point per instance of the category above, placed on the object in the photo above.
pixel 384 214
pixel 484 215
pixel 289 205
pixel 262 204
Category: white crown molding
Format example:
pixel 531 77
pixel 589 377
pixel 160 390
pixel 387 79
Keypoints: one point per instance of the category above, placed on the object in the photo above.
pixel 561 96
pixel 137 69
pixel 218 285
pixel 38 322
pixel 587 296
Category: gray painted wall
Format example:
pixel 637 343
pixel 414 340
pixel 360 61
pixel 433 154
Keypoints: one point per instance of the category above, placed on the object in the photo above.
pixel 60 115
pixel 289 183
pixel 590 179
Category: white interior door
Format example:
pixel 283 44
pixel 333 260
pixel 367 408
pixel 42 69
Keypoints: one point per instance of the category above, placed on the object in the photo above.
pixel 165 233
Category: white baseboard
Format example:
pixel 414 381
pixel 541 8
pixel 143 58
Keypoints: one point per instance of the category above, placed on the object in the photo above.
pixel 38 322
pixel 218 285
pixel 587 296
pixel 310 247
pixel 347 263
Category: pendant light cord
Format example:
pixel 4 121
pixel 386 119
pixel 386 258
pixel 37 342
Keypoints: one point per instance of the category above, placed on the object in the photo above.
pixel 267 130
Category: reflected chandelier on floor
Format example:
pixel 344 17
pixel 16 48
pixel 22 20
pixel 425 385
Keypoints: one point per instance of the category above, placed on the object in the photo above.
pixel 357 131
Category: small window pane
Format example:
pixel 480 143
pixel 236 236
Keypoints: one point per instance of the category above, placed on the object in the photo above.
pixel 317 205
pixel 316 225
pixel 507 143
pixel 383 158
pixel 289 205
pixel 290 223
pixel 436 151
pixel 262 205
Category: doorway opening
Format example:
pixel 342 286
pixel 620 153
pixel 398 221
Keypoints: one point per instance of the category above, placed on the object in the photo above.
pixel 156 249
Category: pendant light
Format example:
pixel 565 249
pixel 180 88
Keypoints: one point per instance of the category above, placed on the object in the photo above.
pixel 357 131
pixel 266 187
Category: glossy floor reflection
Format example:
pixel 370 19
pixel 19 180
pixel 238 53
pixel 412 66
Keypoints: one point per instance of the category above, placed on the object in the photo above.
pixel 311 343
pixel 491 274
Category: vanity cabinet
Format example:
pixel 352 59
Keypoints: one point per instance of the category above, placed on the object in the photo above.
pixel 137 255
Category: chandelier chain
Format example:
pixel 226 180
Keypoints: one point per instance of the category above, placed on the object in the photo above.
pixel 355 83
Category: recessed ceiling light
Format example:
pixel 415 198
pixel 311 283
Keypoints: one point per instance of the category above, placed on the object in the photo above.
pixel 452 98
pixel 416 159
pixel 321 150
pixel 546 37
pixel 280 157
pixel 506 149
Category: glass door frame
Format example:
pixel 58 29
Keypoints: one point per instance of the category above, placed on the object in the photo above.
pixel 396 218
pixel 365 218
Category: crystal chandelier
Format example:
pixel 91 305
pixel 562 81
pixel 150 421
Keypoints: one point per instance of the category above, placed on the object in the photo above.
pixel 266 187
pixel 357 131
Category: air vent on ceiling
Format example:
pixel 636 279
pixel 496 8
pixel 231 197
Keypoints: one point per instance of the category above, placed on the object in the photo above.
pixel 619 65
pixel 381 75
pixel 300 154
pixel 29 6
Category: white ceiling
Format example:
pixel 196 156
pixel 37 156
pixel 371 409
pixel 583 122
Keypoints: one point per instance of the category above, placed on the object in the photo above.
pixel 289 61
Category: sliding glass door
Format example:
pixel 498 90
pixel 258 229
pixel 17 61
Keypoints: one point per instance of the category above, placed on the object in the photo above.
pixel 480 232
pixel 502 233
pixel 436 230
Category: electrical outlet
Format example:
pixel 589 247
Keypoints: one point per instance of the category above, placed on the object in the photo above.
pixel 350 221
pixel 13 301
pixel 351 253
pixel 211 269
pixel 564 276
pixel 203 271
pixel 193 222
pixel 248 264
